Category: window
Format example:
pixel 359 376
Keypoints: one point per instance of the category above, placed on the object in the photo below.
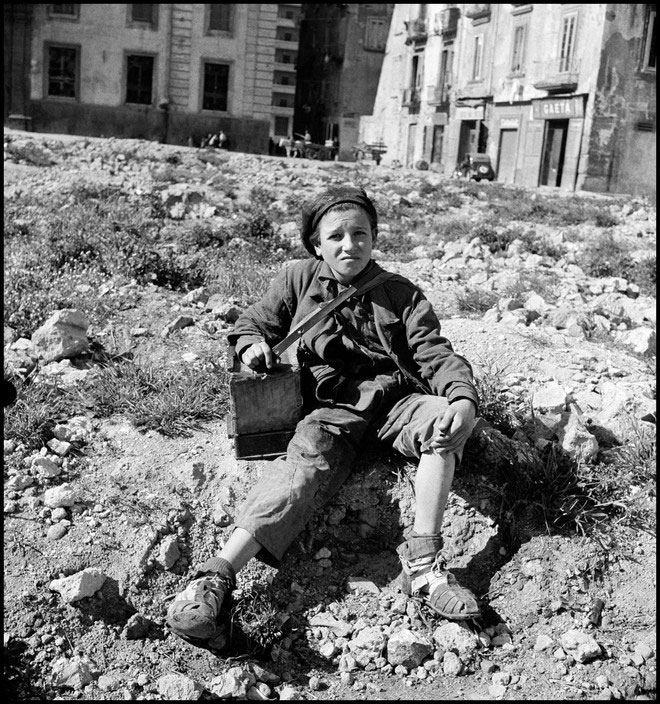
pixel 220 17
pixel 281 125
pixel 286 12
pixel 518 56
pixel 375 34
pixel 649 42
pixel 139 79
pixel 216 86
pixel 286 34
pixel 568 27
pixel 445 74
pixel 477 57
pixel 62 71
pixel 143 13
pixel 66 12
pixel 282 101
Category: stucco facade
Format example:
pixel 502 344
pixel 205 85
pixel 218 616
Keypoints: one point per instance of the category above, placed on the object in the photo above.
pixel 547 91
pixel 183 48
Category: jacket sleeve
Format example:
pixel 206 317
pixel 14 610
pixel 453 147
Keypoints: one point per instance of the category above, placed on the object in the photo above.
pixel 269 319
pixel 447 373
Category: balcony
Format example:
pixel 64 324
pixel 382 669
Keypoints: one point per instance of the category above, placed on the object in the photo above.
pixel 436 95
pixel 557 75
pixel 411 98
pixel 449 22
pixel 416 31
pixel 478 12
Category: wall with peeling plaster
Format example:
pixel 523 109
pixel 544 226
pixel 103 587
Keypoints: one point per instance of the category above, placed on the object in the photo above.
pixel 621 158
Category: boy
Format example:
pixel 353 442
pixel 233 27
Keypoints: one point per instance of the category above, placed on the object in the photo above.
pixel 378 365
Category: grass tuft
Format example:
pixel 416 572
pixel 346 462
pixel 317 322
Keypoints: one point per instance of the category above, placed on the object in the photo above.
pixel 173 401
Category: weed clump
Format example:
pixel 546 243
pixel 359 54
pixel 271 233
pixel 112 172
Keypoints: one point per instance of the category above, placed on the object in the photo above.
pixel 172 401
pixel 475 300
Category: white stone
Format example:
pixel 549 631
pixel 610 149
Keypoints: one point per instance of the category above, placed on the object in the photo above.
pixel 551 397
pixel 543 642
pixel 576 440
pixel 46 467
pixel 175 686
pixel 580 645
pixel 62 495
pixel 169 552
pixel 80 585
pixel 456 636
pixel 641 340
pixel 356 585
pixel 407 648
pixel 75 672
pixel 452 665
pixel 63 335
pixel 370 640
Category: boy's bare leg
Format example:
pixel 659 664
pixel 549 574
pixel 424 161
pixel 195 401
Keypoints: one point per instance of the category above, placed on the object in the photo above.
pixel 239 549
pixel 435 474
pixel 424 573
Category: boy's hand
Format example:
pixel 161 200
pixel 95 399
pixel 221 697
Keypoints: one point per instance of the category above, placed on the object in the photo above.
pixel 455 427
pixel 258 356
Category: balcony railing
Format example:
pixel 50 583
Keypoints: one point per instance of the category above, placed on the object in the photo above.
pixel 411 97
pixel 416 30
pixel 437 95
pixel 449 21
pixel 557 74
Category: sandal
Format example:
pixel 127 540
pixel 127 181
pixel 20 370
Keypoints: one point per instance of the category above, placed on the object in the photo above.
pixel 428 578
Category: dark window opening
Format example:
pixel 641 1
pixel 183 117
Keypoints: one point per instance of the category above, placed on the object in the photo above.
pixel 216 86
pixel 281 125
pixel 220 17
pixel 62 71
pixel 139 79
pixel 64 10
pixel 142 13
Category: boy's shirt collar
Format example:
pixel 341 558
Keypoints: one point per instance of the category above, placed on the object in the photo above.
pixel 328 280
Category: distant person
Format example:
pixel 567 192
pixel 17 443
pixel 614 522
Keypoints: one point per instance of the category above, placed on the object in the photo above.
pixel 222 140
pixel 213 140
pixel 307 137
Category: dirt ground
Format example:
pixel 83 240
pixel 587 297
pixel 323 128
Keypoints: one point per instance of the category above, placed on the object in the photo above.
pixel 136 490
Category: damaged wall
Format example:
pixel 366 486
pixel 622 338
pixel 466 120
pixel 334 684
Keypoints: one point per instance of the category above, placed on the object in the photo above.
pixel 622 142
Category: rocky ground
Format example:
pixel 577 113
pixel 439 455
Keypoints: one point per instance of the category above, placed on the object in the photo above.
pixel 105 521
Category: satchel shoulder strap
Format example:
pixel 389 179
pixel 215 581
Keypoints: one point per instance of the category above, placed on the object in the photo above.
pixel 317 315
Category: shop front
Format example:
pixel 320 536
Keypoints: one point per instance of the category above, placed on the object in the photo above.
pixel 554 140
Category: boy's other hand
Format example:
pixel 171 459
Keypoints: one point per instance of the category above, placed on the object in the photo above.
pixel 455 427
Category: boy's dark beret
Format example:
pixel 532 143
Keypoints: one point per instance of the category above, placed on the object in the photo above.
pixel 313 211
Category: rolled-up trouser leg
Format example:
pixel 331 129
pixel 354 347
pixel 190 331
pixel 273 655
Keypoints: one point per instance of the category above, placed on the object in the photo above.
pixel 293 487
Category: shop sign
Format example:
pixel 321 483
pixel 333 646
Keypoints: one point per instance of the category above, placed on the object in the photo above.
pixel 509 123
pixel 463 113
pixel 558 108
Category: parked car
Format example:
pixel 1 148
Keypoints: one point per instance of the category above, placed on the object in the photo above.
pixel 475 167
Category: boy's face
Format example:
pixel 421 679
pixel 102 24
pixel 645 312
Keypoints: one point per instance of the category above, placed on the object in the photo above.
pixel 345 242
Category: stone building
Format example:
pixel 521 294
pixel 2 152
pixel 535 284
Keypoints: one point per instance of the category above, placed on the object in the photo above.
pixel 168 72
pixel 341 54
pixel 559 95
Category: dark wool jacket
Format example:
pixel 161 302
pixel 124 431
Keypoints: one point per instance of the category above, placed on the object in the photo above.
pixel 407 326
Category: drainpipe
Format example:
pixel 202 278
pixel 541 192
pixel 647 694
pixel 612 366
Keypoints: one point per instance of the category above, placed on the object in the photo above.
pixel 164 104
